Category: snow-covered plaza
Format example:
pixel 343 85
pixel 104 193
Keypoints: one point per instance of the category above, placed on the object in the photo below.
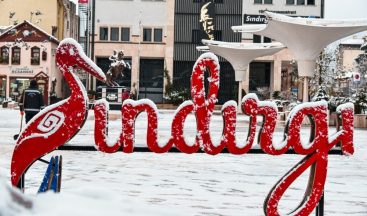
pixel 96 183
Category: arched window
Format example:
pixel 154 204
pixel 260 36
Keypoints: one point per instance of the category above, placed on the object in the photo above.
pixel 4 55
pixel 15 55
pixel 35 56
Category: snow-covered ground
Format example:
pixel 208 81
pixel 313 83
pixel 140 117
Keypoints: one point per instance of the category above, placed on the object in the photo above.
pixel 95 183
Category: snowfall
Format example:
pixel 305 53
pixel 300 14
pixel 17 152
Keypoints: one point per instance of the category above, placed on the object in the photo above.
pixel 96 183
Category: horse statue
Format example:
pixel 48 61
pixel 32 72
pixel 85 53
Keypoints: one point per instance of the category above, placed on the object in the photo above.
pixel 117 67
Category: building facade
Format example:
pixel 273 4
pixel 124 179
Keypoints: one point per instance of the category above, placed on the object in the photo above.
pixel 27 52
pixel 143 29
pixel 279 71
pixel 57 17
pixel 351 74
pixel 196 20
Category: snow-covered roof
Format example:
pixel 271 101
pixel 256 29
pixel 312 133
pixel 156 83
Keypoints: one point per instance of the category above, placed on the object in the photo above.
pixel 52 38
pixel 3 29
pixel 352 41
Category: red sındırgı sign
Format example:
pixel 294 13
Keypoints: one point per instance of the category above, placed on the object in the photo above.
pixel 60 122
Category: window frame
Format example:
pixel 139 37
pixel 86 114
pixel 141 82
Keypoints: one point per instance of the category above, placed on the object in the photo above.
pixel 4 61
pixel 271 2
pixel 154 35
pixel 314 2
pixel 14 62
pixel 304 2
pixel 290 3
pixel 35 61
pixel 256 2
pixel 100 33
pixel 111 34
pixel 147 29
pixel 122 35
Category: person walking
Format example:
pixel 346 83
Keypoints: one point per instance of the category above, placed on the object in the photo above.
pixel 31 101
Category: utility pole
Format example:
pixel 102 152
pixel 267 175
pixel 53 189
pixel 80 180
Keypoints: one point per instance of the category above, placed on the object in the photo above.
pixel 92 42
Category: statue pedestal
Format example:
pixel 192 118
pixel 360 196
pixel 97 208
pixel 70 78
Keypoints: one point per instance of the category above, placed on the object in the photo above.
pixel 113 95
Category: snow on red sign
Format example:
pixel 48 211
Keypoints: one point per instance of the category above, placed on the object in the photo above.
pixel 58 123
pixel 83 1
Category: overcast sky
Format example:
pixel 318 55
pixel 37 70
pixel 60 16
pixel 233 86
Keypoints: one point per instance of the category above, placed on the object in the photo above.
pixel 339 9
pixel 344 9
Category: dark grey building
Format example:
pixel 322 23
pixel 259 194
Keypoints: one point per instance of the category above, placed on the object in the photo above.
pixel 191 26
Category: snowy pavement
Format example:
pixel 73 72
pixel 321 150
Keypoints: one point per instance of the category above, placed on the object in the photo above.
pixel 96 183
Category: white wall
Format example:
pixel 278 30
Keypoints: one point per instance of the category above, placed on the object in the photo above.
pixel 129 12
pixel 280 5
pixel 249 7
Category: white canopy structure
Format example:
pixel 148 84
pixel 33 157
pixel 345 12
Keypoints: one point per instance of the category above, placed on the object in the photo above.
pixel 305 37
pixel 240 55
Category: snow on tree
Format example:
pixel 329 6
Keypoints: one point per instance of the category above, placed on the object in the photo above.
pixel 321 94
pixel 326 70
pixel 360 100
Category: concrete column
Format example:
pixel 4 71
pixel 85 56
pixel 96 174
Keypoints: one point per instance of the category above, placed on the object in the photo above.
pixel 169 40
pixel 245 83
pixel 239 97
pixel 276 76
pixel 305 89
pixel 135 74
pixel 7 90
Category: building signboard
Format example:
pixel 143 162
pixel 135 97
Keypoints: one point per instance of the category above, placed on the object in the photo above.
pixel 22 70
pixel 254 19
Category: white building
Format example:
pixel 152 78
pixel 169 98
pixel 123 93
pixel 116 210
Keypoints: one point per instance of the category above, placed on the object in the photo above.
pixel 275 71
pixel 144 30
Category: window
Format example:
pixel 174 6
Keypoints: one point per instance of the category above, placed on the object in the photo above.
pixel 215 1
pixel 103 33
pixel 4 55
pixel 290 2
pixel 44 55
pixel 311 2
pixel 256 38
pixel 125 34
pixel 268 1
pixel 114 34
pixel 158 34
pixel 218 35
pixel 196 36
pixel 258 1
pixel 15 55
pixel 267 40
pixel 147 35
pixel 300 2
pixel 35 56
pixel 261 39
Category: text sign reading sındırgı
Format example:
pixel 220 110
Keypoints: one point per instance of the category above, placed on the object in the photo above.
pixel 58 123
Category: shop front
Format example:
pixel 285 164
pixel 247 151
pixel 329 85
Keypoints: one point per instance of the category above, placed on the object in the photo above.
pixel 18 84
pixel 2 88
